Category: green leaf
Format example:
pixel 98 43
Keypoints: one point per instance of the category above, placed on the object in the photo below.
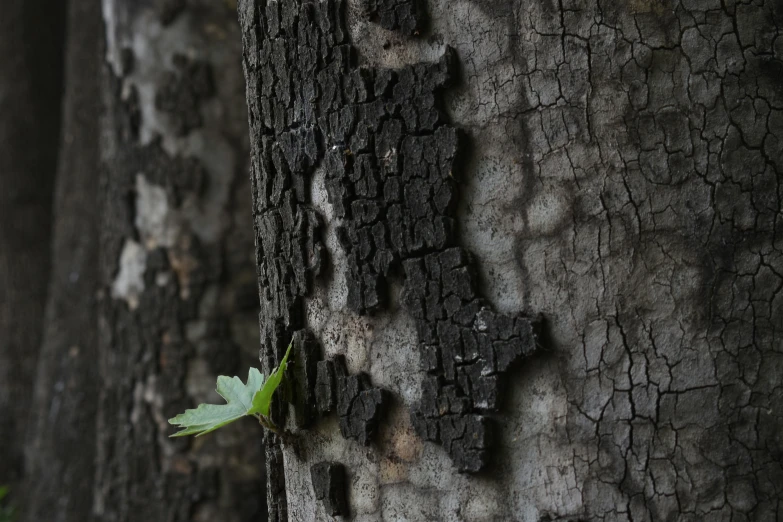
pixel 253 398
pixel 262 400
pixel 209 417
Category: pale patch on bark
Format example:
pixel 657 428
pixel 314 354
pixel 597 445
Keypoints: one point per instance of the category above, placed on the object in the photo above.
pixel 158 224
pixel 129 283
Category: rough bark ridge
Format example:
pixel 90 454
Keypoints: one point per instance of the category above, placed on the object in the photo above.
pixel 175 265
pixel 60 450
pixel 623 179
pixel 30 90
pixel 388 157
pixel 388 161
pixel 359 405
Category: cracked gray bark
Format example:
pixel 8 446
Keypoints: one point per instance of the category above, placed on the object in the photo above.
pixel 621 177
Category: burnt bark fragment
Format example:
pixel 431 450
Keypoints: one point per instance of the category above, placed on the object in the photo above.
pixel 304 379
pixel 406 16
pixel 277 507
pixel 467 348
pixel 409 222
pixel 326 388
pixel 329 483
pixel 359 405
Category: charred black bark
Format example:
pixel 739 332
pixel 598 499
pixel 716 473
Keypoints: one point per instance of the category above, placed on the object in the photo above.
pixel 329 485
pixel 358 404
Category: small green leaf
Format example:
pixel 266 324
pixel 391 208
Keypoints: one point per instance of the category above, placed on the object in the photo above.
pixel 253 398
pixel 209 417
pixel 262 400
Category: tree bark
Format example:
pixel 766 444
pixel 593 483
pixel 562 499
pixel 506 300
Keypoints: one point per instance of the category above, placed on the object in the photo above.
pixel 175 267
pixel 30 90
pixel 60 452
pixel 613 167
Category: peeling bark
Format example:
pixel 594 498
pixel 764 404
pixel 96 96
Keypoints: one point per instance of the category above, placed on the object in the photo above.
pixel 620 175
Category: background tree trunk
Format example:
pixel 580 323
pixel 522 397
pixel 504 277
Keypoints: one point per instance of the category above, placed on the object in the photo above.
pixel 30 91
pixel 60 451
pixel 177 301
pixel 619 174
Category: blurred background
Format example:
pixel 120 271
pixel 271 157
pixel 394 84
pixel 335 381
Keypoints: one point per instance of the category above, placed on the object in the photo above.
pixel 127 278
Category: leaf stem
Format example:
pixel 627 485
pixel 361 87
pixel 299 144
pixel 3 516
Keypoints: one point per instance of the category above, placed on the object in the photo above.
pixel 269 424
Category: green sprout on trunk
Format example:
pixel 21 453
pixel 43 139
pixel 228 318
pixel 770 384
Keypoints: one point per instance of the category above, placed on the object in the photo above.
pixel 253 398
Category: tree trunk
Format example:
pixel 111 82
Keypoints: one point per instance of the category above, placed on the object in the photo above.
pixel 60 449
pixel 613 167
pixel 176 265
pixel 30 90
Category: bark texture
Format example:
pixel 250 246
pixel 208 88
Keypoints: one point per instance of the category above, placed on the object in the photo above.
pixel 620 174
pixel 30 90
pixel 60 445
pixel 177 304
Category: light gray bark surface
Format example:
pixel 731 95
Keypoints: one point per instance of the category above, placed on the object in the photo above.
pixel 623 179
